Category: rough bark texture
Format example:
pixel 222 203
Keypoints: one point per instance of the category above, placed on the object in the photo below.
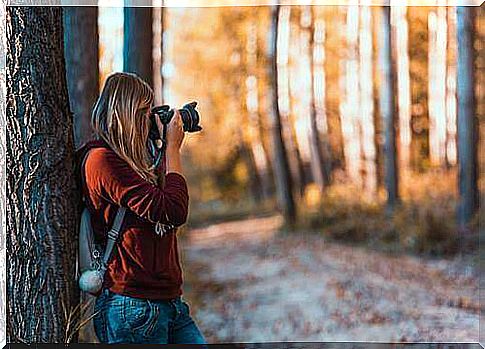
pixel 3 288
pixel 138 42
pixel 280 161
pixel 81 51
pixel 467 121
pixel 388 108
pixel 42 215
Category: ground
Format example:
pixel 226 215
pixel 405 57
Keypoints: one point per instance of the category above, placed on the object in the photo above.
pixel 246 283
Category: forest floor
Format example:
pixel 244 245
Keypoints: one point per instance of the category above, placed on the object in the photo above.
pixel 247 283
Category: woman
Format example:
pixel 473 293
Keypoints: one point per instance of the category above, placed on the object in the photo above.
pixel 141 300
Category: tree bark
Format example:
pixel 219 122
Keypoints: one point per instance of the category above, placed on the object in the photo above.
pixel 254 139
pixel 400 36
pixel 290 110
pixel 280 163
pixel 451 88
pixel 349 107
pixel 467 122
pixel 138 42
pixel 437 86
pixel 368 147
pixel 81 51
pixel 319 148
pixel 387 108
pixel 42 198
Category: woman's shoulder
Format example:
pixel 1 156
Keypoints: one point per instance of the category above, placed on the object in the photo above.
pixel 98 156
pixel 102 157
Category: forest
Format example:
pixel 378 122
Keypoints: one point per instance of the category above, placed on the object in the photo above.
pixel 334 188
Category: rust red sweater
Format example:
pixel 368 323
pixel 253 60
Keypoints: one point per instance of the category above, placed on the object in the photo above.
pixel 142 264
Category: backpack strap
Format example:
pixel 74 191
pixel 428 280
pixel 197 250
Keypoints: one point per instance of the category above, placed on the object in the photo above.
pixel 115 229
pixel 113 235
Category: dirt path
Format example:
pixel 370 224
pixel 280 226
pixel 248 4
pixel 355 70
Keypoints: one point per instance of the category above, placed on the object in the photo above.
pixel 248 285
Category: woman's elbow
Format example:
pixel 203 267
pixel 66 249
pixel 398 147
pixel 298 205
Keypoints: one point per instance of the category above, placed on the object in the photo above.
pixel 179 216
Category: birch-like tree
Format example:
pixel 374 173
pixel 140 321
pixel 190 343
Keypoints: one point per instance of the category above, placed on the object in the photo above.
pixel 437 85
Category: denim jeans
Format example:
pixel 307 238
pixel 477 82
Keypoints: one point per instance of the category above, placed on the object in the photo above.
pixel 123 319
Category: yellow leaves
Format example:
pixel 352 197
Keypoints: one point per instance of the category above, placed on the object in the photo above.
pixel 313 196
pixel 241 172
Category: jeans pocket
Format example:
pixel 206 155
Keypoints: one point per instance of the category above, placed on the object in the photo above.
pixel 137 312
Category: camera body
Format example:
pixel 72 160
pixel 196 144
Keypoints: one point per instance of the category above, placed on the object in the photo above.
pixel 190 119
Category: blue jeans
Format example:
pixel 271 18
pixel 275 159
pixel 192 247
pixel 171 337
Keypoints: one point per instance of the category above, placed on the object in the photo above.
pixel 123 319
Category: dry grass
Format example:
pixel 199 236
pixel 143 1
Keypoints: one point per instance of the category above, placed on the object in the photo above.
pixel 423 223
pixel 76 318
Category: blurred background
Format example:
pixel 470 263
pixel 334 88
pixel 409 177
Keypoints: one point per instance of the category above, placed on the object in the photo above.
pixel 334 189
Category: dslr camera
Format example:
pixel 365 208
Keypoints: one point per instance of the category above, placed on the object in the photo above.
pixel 190 119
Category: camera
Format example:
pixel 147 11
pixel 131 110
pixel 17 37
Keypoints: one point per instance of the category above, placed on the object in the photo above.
pixel 190 119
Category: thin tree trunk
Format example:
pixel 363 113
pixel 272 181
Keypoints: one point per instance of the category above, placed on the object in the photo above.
pixel 367 103
pixel 138 42
pixel 280 162
pixel 290 112
pixel 82 54
pixel 318 119
pixel 42 198
pixel 252 107
pixel 349 109
pixel 387 108
pixel 451 88
pixel 400 35
pixel 467 123
pixel 437 86
pixel 375 92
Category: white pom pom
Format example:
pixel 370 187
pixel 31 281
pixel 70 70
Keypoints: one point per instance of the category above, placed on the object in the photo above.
pixel 91 281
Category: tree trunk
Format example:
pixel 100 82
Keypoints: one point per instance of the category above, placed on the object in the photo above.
pixel 280 163
pixel 451 88
pixel 254 141
pixel 378 127
pixel 81 51
pixel 467 123
pixel 349 109
pixel 319 149
pixel 387 108
pixel 138 42
pixel 289 110
pixel 400 36
pixel 368 147
pixel 437 86
pixel 42 198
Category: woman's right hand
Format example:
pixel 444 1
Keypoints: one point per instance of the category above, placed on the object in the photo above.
pixel 175 132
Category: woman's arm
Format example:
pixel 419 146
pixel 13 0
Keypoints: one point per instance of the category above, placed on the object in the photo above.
pixel 113 179
pixel 175 137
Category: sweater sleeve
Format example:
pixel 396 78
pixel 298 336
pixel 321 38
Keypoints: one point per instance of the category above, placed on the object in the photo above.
pixel 116 181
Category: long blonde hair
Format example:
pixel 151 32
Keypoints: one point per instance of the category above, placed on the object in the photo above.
pixel 120 118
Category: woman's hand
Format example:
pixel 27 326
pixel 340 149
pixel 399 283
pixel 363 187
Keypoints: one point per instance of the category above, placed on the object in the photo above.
pixel 175 132
pixel 175 136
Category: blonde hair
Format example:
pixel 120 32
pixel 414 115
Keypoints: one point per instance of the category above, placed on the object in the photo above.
pixel 120 117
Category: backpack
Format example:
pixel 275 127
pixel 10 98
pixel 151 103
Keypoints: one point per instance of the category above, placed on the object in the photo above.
pixel 92 261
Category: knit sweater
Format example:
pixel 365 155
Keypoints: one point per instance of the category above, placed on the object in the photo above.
pixel 143 264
